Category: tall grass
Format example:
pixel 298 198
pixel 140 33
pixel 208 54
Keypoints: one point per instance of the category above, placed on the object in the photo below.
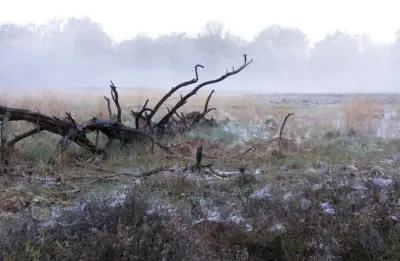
pixel 363 114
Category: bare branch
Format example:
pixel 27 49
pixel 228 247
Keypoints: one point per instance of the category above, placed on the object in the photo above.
pixel 173 90
pixel 283 125
pixel 162 123
pixel 108 107
pixel 206 110
pixel 74 124
pixel 138 115
pixel 22 136
pixel 114 96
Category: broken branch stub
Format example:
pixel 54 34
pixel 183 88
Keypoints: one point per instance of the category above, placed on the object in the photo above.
pixel 115 97
pixel 108 107
pixel 283 125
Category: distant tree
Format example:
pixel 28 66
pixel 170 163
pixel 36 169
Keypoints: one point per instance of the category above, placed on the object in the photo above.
pixel 337 50
pixel 177 50
pixel 278 47
pixel 395 50
pixel 138 52
pixel 81 37
pixel 79 52
pixel 21 52
pixel 216 45
pixel 337 62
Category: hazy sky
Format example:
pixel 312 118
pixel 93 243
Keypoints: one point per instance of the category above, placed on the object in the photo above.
pixel 122 18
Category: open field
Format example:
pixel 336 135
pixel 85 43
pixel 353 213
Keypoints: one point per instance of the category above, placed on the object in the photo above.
pixel 328 191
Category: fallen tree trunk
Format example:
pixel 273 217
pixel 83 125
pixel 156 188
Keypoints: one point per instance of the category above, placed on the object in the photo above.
pixel 71 131
pixel 63 127
pixel 117 131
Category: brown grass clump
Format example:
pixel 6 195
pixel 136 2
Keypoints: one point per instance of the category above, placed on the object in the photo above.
pixel 363 114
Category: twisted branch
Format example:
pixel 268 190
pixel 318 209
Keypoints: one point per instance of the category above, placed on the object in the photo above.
pixel 173 90
pixel 163 122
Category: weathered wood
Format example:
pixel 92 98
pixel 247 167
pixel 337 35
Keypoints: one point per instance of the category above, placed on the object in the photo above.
pixel 173 90
pixel 115 97
pixel 199 155
pixel 206 110
pixel 3 135
pixel 72 131
pixel 183 100
pixel 22 136
pixel 138 115
pixel 108 107
pixel 62 127
pixel 283 125
pixel 117 131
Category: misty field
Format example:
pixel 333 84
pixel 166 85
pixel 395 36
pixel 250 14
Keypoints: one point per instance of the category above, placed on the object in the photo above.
pixel 328 189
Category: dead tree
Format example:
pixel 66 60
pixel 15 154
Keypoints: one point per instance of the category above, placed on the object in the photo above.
pixel 146 114
pixel 67 128
pixel 72 131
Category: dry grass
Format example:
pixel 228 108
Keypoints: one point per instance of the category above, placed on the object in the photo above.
pixel 363 114
pixel 283 170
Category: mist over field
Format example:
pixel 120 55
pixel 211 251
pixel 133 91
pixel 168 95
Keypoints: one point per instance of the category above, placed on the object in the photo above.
pixel 78 53
pixel 199 130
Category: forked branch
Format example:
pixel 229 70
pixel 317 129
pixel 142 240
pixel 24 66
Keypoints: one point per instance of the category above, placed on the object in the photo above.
pixel 163 122
pixel 173 90
pixel 138 115
pixel 206 109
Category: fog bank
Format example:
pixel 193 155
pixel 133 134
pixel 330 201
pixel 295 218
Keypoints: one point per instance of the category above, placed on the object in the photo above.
pixel 78 53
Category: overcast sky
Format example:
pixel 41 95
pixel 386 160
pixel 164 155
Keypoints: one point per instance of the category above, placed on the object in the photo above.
pixel 123 19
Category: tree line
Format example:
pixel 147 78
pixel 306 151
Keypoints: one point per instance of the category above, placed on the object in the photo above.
pixel 79 53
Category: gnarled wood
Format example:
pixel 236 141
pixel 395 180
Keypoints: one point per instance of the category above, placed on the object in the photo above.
pixel 172 91
pixel 183 100
pixel 115 97
pixel 72 131
pixel 108 107
pixel 283 125
pixel 22 136
pixel 52 124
